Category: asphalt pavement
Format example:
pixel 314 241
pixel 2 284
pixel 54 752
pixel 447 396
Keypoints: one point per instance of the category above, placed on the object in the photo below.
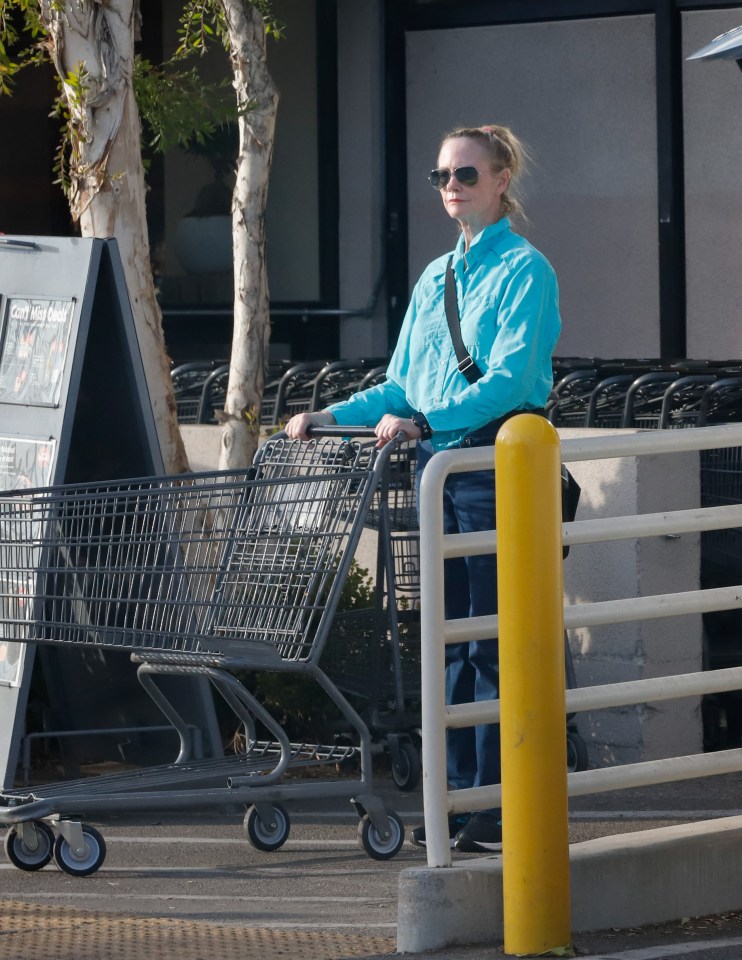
pixel 191 886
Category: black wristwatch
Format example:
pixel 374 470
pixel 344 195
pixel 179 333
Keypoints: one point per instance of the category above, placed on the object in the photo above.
pixel 421 422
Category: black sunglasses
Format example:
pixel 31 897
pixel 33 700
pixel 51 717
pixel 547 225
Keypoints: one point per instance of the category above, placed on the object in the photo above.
pixel 467 177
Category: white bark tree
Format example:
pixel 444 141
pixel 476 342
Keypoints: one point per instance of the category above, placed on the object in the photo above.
pixel 257 103
pixel 91 43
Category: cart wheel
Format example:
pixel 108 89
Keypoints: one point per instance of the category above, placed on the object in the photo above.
pixel 376 847
pixel 267 836
pixel 406 771
pixel 576 752
pixel 22 856
pixel 86 862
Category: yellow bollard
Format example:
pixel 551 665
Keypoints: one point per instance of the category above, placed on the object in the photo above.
pixel 535 868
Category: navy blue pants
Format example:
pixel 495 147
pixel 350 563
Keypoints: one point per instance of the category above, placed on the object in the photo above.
pixel 472 673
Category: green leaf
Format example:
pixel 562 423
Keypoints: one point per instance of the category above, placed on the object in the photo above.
pixel 178 109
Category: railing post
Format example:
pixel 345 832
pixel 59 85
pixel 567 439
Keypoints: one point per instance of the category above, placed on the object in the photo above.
pixel 433 664
pixel 536 896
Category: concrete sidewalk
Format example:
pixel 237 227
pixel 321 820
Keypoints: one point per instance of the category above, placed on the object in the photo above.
pixel 32 931
pixel 189 887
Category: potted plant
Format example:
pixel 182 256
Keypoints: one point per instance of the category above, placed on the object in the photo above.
pixel 203 238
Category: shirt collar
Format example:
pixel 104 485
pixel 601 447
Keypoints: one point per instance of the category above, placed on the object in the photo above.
pixel 483 240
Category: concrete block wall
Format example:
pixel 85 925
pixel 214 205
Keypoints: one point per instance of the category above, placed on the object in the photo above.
pixel 202 443
pixel 624 569
pixel 619 881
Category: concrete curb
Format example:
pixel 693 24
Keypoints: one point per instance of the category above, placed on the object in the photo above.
pixel 626 880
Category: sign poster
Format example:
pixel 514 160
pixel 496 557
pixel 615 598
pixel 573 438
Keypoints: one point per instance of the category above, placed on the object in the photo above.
pixel 35 339
pixel 15 606
pixel 25 463
pixel 11 662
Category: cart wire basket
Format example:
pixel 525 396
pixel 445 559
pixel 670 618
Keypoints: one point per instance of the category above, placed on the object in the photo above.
pixel 721 485
pixel 200 574
pixel 397 493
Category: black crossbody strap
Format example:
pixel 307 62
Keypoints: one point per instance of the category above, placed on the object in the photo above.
pixel 467 366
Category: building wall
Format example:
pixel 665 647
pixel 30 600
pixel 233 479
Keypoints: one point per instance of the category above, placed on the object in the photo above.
pixel 582 93
pixel 712 93
pixel 361 164
pixel 591 194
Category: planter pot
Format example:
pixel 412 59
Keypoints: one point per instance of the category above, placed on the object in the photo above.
pixel 204 244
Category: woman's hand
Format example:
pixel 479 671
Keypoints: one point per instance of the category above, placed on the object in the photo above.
pixel 298 426
pixel 390 426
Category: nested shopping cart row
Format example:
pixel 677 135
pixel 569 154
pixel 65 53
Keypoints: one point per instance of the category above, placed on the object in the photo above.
pixel 201 387
pixel 648 394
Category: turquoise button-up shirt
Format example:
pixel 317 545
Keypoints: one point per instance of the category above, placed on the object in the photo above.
pixel 509 306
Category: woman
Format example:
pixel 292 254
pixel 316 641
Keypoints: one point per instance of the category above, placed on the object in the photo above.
pixel 507 298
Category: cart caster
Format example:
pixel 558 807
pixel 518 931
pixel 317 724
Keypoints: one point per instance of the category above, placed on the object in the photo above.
pixel 376 846
pixel 406 765
pixel 86 860
pixel 267 834
pixel 576 752
pixel 19 851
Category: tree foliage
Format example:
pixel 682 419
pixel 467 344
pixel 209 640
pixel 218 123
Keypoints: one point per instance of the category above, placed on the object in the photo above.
pixel 21 39
pixel 202 21
pixel 178 108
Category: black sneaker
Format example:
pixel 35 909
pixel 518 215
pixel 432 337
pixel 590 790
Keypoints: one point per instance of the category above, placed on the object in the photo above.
pixel 456 823
pixel 482 834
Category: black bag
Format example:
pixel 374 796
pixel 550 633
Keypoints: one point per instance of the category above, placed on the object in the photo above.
pixel 571 491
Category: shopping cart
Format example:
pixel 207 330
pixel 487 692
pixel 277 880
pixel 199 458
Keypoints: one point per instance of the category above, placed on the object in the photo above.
pixel 200 574
pixel 572 393
pixel 188 384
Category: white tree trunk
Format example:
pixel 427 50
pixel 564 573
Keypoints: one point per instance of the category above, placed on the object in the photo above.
pixel 251 333
pixel 108 191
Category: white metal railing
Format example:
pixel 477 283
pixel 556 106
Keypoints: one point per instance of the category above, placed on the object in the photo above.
pixel 436 631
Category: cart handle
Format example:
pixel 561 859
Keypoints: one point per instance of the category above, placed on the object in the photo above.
pixel 335 430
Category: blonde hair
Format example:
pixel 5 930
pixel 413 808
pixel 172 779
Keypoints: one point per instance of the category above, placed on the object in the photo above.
pixel 505 151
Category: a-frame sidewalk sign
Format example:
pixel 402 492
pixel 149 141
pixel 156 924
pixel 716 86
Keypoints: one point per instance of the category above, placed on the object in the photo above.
pixel 74 407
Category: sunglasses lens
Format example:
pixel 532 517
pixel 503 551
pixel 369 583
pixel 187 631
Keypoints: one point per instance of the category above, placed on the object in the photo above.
pixel 467 176
pixel 438 178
